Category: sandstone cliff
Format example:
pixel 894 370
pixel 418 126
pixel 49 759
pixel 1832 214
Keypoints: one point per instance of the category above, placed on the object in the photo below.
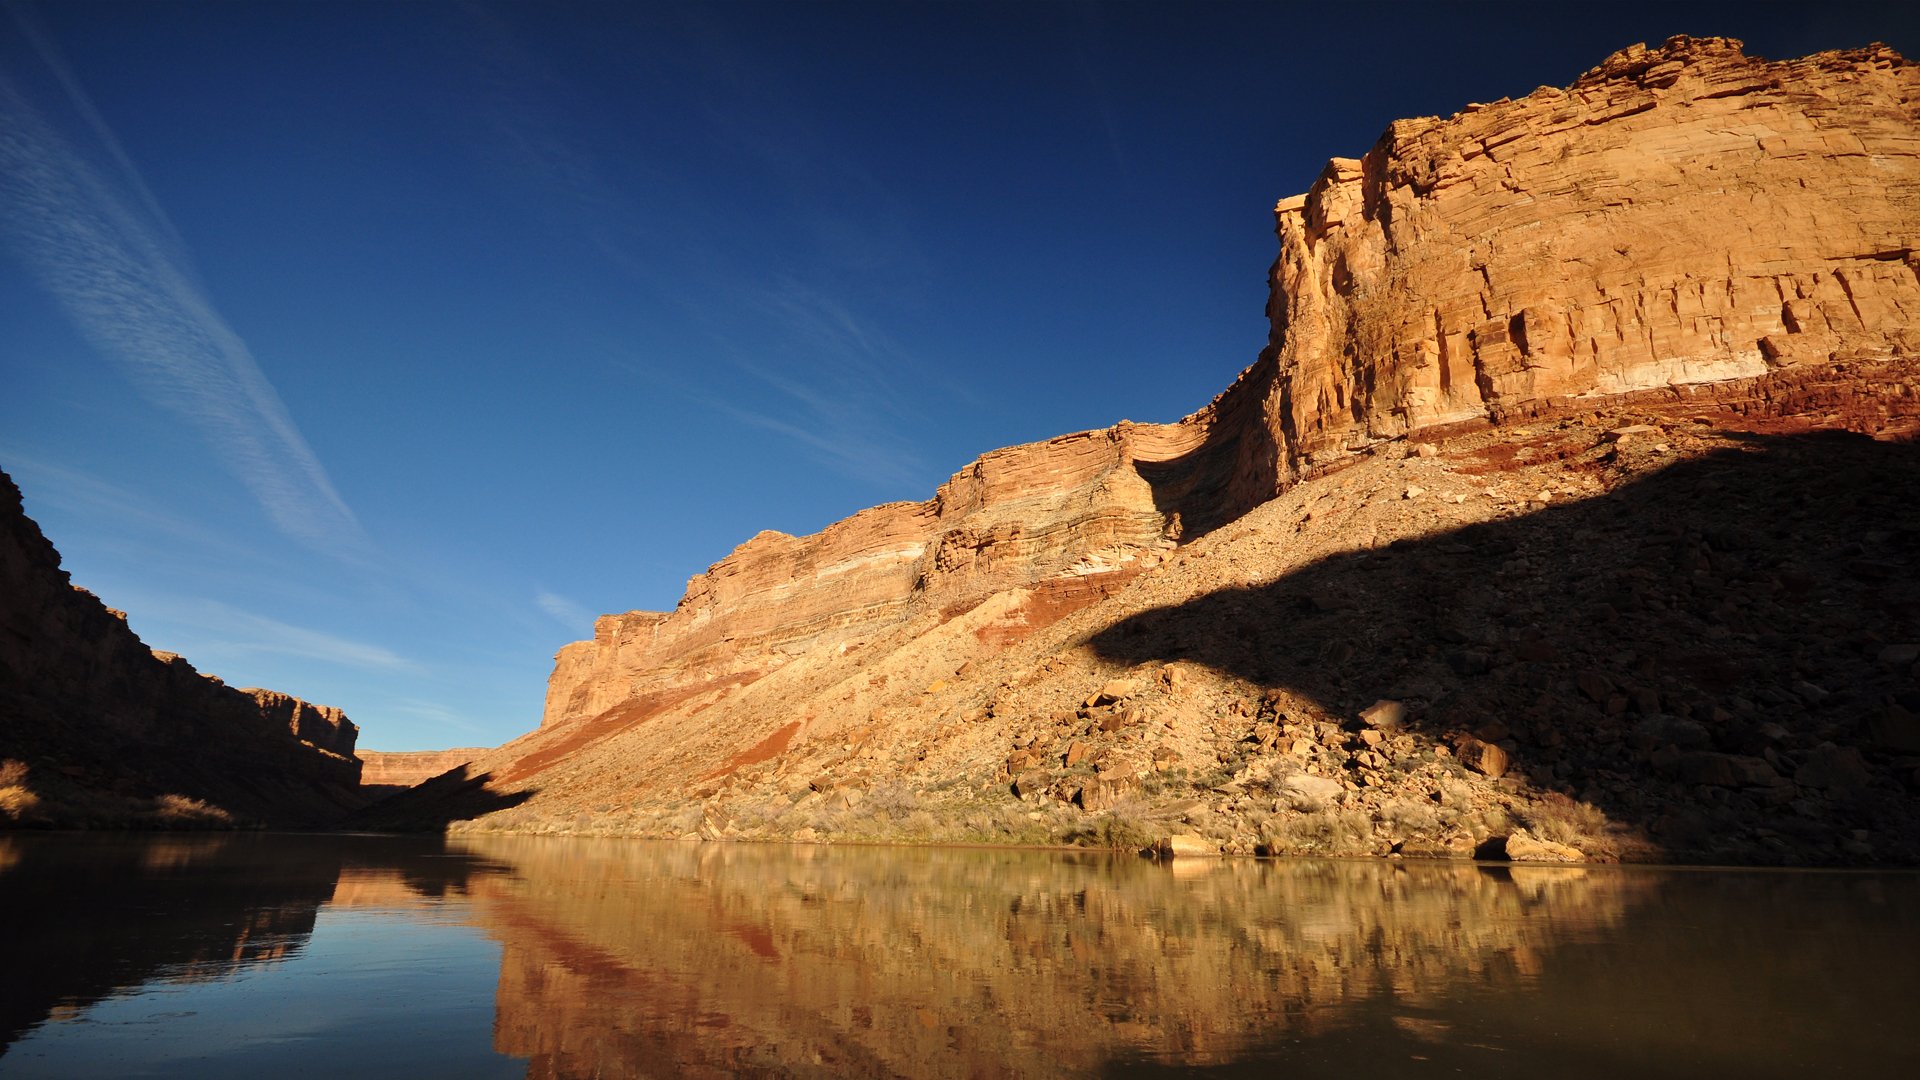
pixel 403 769
pixel 96 728
pixel 1686 235
pixel 1678 215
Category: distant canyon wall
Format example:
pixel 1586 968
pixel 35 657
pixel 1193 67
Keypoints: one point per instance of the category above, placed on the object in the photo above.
pixel 1679 215
pixel 103 722
pixel 406 768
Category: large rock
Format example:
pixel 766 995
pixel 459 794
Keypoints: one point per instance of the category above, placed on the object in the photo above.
pixel 1309 793
pixel 1185 845
pixel 1712 217
pixel 1523 846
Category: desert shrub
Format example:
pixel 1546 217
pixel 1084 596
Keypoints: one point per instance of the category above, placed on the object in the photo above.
pixel 183 812
pixel 890 802
pixel 16 798
pixel 682 819
pixel 1567 822
pixel 1327 832
pixel 1408 815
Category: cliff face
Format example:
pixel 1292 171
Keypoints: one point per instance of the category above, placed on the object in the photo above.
pixel 403 769
pixel 1065 521
pixel 1582 337
pixel 100 729
pixel 1678 215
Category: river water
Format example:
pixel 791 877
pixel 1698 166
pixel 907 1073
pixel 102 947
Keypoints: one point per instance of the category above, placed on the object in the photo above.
pixel 300 955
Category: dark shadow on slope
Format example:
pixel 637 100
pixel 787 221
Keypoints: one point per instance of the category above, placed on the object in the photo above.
pixel 83 915
pixel 434 803
pixel 1702 653
pixel 1234 470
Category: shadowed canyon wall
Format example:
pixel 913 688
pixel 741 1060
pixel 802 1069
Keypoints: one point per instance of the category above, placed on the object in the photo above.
pixel 98 728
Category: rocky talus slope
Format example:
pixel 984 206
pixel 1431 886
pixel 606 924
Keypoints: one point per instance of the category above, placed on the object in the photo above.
pixel 1562 516
pixel 97 729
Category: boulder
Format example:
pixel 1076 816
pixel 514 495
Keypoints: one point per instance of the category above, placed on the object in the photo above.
pixel 1833 768
pixel 1483 757
pixel 1523 846
pixel 1308 793
pixel 1185 845
pixel 1384 714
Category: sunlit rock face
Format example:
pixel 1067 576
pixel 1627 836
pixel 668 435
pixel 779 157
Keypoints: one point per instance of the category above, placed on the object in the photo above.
pixel 401 769
pixel 1683 255
pixel 104 730
pixel 1068 520
pixel 1685 214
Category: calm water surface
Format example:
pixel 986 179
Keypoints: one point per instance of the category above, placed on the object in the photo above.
pixel 284 956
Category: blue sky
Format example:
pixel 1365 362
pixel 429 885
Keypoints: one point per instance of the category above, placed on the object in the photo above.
pixel 367 351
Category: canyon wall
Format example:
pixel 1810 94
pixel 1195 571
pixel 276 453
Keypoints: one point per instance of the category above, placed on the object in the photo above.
pixel 109 731
pixel 1068 519
pixel 403 769
pixel 1679 215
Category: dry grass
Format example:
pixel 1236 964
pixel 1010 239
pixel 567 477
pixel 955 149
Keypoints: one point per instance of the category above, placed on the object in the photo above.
pixel 1577 824
pixel 1328 832
pixel 17 800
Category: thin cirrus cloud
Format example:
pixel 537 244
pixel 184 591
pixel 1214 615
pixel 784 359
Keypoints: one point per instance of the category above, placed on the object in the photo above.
pixel 220 632
pixel 563 610
pixel 100 243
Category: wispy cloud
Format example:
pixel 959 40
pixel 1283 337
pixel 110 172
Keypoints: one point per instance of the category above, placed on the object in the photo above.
pixel 100 243
pixel 433 712
pixel 216 630
pixel 568 613
pixel 240 631
pixel 78 492
pixel 864 457
pixel 842 375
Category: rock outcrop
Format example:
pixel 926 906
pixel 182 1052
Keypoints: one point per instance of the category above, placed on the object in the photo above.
pixel 1678 215
pixel 96 728
pixel 403 769
pixel 1686 252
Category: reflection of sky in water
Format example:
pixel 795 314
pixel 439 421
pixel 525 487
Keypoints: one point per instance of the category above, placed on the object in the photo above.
pixel 372 993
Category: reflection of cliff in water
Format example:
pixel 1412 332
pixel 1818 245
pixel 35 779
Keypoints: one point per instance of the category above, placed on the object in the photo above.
pixel 626 957
pixel 647 958
pixel 83 916
pixel 622 957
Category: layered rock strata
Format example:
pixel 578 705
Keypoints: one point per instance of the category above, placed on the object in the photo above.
pixel 100 729
pixel 403 769
pixel 1685 214
pixel 1634 296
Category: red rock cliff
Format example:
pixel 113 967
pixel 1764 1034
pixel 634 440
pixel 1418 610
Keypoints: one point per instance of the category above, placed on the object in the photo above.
pixel 1678 215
